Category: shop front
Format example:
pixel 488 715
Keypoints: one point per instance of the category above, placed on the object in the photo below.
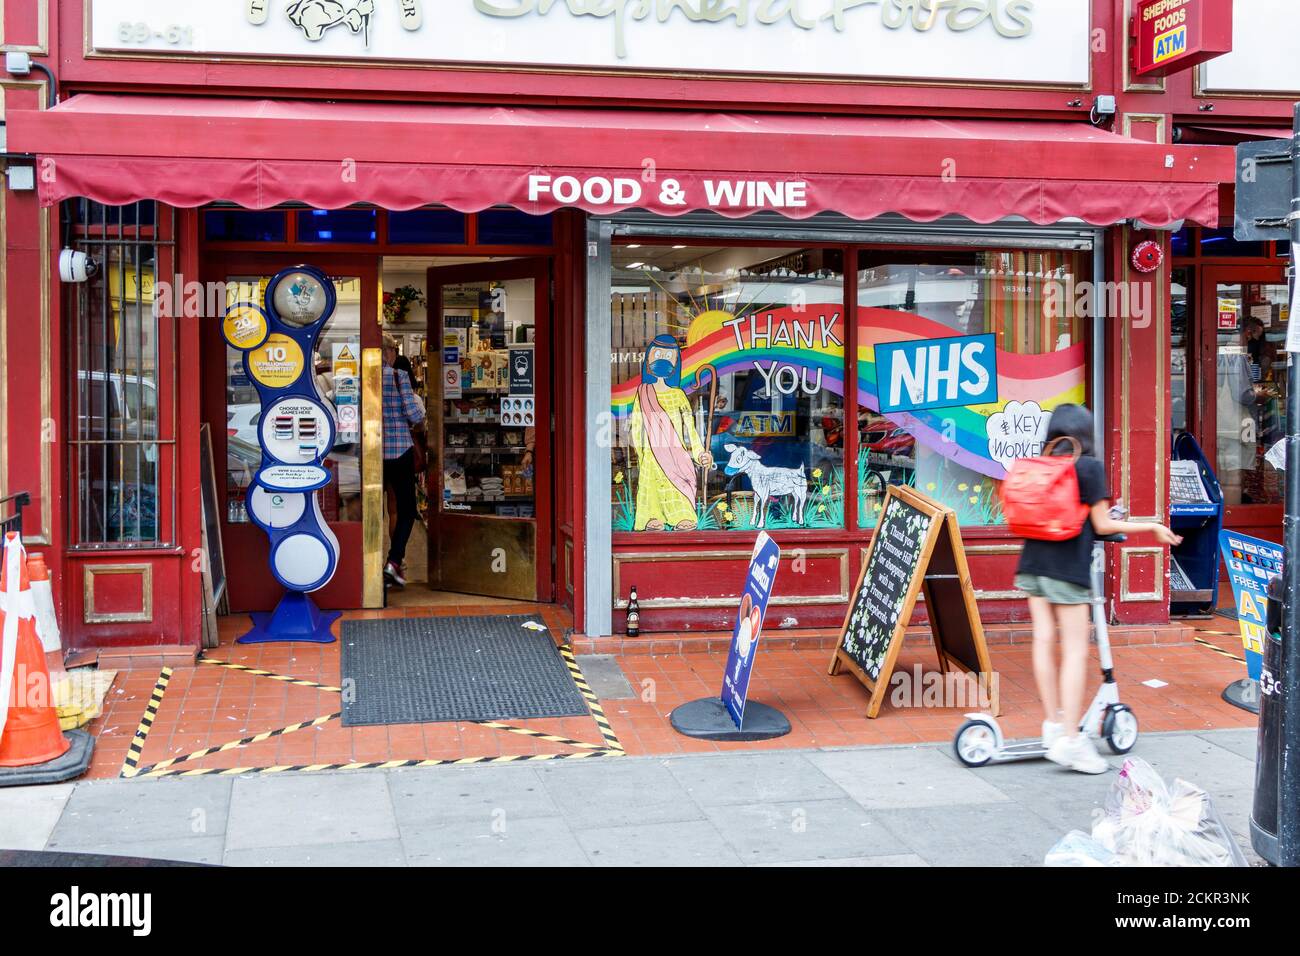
pixel 641 330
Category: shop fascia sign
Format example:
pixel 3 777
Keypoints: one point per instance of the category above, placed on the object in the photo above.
pixel 1169 36
pixel 996 41
pixel 1263 60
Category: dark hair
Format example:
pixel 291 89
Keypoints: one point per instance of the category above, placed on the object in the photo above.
pixel 404 364
pixel 1071 421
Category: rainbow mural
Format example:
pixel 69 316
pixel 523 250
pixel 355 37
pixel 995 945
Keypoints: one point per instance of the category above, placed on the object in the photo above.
pixel 1049 379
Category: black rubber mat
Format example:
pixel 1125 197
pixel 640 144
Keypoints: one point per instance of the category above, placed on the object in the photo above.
pixel 425 669
pixel 1229 613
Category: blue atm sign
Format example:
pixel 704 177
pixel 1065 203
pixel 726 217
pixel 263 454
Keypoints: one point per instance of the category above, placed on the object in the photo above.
pixel 937 373
pixel 1171 44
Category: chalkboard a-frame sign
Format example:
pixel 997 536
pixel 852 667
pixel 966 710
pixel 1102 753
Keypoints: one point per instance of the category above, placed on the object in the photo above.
pixel 917 548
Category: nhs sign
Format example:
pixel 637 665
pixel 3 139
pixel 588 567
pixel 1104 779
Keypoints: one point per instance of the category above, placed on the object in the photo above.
pixel 937 373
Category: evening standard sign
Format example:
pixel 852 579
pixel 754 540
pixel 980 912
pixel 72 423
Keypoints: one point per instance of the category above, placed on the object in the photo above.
pixel 992 41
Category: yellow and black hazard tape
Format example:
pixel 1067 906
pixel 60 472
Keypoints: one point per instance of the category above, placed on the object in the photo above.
pixel 130 766
pixel 375 765
pixel 149 771
pixel 593 703
pixel 1219 650
pixel 270 675
pixel 611 747
pixel 540 735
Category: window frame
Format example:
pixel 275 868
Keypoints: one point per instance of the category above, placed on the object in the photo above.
pixel 664 234
pixel 96 236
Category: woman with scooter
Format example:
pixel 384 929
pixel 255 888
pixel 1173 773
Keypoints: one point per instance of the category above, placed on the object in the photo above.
pixel 1056 574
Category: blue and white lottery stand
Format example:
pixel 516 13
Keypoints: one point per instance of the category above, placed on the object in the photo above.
pixel 296 431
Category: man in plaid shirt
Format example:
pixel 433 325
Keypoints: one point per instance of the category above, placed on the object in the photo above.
pixel 403 413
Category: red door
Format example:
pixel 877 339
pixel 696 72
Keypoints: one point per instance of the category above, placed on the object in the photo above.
pixel 231 407
pixel 1241 413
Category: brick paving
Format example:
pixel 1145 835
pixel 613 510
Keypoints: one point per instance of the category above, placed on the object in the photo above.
pixel 207 706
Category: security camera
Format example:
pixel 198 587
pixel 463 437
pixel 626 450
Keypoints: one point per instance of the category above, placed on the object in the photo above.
pixel 76 266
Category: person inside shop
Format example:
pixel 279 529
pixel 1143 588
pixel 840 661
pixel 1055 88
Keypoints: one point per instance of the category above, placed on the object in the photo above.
pixel 404 457
pixel 1262 352
pixel 1057 576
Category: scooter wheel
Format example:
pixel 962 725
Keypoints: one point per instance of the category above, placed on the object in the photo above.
pixel 975 743
pixel 1120 728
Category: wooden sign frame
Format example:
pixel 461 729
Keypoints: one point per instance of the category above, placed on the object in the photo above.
pixel 944 541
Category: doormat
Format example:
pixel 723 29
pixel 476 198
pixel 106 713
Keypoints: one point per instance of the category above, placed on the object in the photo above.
pixel 1228 612
pixel 419 670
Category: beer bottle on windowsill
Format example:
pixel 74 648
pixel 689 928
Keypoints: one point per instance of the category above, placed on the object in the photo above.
pixel 633 615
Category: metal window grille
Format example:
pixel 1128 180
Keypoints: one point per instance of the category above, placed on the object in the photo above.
pixel 121 369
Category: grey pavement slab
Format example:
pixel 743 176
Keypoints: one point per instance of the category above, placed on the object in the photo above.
pixel 900 859
pixel 881 806
pixel 605 676
pixel 987 835
pixel 618 792
pixel 1197 760
pixel 1243 741
pixel 804 830
pixel 28 815
pixel 509 792
pixel 120 812
pixel 692 843
pixel 306 809
pixel 1041 783
pixel 194 849
pixel 775 776
pixel 538 841
pixel 354 853
pixel 899 777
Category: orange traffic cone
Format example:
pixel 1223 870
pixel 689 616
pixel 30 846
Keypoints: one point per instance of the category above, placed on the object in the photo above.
pixel 29 728
pixel 47 622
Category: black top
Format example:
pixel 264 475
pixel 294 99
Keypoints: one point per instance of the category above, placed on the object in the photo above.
pixel 1070 560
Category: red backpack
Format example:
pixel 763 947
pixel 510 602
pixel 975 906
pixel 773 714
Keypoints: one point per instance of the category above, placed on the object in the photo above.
pixel 1040 496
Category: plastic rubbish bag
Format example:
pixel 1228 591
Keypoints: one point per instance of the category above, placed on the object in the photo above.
pixel 1147 822
pixel 1077 848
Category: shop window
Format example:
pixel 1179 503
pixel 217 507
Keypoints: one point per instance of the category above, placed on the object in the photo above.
pixel 1181 243
pixel 1250 389
pixel 338 225
pixel 510 227
pixel 728 388
pixel 961 357
pixel 119 388
pixel 430 227
pixel 1221 243
pixel 244 225
pixel 336 359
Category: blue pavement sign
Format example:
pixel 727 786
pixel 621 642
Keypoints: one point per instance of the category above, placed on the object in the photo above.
pixel 749 626
pixel 1252 563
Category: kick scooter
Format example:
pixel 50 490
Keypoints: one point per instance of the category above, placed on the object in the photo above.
pixel 979 740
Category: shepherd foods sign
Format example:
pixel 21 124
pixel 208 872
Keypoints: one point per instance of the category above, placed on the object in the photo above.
pixel 996 41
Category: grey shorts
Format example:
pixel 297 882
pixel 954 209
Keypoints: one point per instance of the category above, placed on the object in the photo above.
pixel 1056 592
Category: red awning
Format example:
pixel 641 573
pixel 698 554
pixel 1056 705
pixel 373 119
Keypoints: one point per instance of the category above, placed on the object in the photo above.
pixel 190 151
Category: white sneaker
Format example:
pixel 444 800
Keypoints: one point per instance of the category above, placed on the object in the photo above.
pixel 1052 732
pixel 1078 753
